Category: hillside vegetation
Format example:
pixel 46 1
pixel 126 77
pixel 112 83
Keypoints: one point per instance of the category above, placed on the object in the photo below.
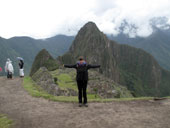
pixel 43 59
pixel 27 48
pixel 157 44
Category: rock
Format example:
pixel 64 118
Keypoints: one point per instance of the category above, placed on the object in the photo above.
pixel 44 79
pixel 98 84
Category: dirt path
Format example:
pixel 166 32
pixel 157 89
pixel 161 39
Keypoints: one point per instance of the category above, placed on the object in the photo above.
pixel 29 112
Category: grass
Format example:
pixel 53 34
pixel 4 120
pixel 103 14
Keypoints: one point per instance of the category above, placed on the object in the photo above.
pixel 65 81
pixel 5 122
pixel 35 91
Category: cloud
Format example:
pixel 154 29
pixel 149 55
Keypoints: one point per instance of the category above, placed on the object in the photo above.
pixel 45 18
pixel 138 13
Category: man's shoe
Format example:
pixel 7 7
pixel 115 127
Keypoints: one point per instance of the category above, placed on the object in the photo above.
pixel 86 105
pixel 80 104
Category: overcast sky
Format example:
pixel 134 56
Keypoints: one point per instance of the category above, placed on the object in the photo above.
pixel 46 18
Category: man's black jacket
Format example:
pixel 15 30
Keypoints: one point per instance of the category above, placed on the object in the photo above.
pixel 82 75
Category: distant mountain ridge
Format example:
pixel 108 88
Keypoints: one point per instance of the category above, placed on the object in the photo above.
pixel 157 44
pixel 126 65
pixel 27 48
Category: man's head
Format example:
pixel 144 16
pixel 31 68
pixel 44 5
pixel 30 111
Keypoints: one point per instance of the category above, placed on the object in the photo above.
pixel 81 61
pixel 81 58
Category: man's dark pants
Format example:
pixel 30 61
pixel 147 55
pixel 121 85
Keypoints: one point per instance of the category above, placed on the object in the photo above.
pixel 9 75
pixel 82 87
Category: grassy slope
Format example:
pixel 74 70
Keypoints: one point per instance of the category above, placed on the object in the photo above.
pixel 66 80
pixel 36 91
pixel 5 122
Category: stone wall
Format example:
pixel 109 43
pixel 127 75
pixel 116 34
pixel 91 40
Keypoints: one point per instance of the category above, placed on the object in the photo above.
pixel 44 79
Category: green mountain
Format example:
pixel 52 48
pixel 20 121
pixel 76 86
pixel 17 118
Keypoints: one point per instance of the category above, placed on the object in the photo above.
pixel 157 44
pixel 43 59
pixel 126 65
pixel 27 48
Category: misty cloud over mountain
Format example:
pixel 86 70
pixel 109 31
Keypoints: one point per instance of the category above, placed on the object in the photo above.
pixel 43 19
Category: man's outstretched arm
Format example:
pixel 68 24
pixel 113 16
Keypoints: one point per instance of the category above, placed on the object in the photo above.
pixel 70 65
pixel 93 66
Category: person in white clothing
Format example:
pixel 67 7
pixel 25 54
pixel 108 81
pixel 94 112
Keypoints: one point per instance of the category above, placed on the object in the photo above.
pixel 9 68
pixel 21 68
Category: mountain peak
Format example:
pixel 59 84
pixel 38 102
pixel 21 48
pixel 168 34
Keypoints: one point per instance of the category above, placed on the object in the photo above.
pixel 43 59
pixel 89 40
pixel 90 24
pixel 89 28
pixel 88 36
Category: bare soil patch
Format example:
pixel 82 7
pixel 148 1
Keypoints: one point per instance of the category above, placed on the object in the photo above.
pixel 30 112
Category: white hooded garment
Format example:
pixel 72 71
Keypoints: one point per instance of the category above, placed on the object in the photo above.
pixel 9 67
